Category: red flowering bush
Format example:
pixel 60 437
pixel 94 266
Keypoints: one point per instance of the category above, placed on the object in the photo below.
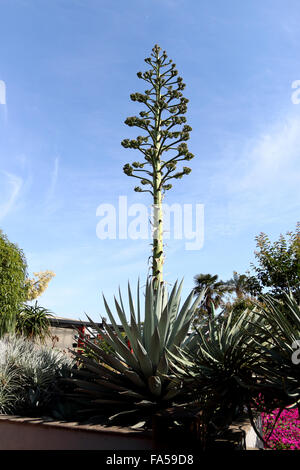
pixel 283 432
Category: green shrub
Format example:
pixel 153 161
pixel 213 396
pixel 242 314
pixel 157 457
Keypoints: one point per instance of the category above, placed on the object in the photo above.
pixel 13 269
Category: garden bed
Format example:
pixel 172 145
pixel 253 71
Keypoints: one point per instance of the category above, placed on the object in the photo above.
pixel 24 433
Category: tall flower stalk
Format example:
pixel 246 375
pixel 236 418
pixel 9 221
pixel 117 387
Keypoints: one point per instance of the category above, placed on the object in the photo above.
pixel 166 132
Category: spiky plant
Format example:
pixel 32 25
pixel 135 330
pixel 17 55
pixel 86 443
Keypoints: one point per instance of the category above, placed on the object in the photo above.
pixel 33 322
pixel 135 378
pixel 218 366
pixel 11 388
pixel 166 131
pixel 280 367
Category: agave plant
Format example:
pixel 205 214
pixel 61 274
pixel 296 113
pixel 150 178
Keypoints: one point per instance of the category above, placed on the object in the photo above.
pixel 218 368
pixel 280 367
pixel 135 376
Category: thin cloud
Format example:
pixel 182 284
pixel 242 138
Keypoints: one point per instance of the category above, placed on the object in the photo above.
pixel 274 157
pixel 15 183
pixel 53 181
pixel 52 204
pixel 259 182
pixel 2 92
pixel 3 100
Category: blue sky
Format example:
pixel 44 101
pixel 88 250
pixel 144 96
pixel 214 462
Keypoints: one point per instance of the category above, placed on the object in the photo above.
pixel 69 67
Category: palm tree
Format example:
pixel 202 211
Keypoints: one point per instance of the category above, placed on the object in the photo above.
pixel 239 284
pixel 246 288
pixel 244 285
pixel 215 292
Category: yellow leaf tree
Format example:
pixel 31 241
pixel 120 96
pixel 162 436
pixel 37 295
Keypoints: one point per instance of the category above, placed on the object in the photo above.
pixel 37 285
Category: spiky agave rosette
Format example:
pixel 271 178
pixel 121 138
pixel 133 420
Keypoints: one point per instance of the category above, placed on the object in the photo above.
pixel 220 369
pixel 245 362
pixel 280 368
pixel 136 378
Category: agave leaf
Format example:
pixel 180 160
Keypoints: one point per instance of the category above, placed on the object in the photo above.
pixel 155 348
pixel 112 320
pixel 182 359
pixel 181 335
pixel 144 360
pixel 163 326
pixel 121 413
pixel 107 358
pixel 135 332
pixel 91 395
pixel 168 314
pixel 165 299
pixel 163 365
pixel 94 325
pixel 94 368
pixel 121 348
pixel 90 386
pixel 138 425
pixel 109 384
pixel 135 378
pixel 171 394
pixel 103 373
pixel 109 402
pixel 148 321
pixel 179 370
pixel 154 383
pixel 175 301
pixel 181 318
pixel 131 393
pixel 121 301
pixel 131 304
pixel 125 325
pixel 191 342
pixel 157 305
pixel 135 327
pixel 146 403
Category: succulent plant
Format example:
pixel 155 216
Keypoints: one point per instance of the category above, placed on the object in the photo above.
pixel 280 354
pixel 135 377
pixel 218 368
pixel 32 321
pixel 250 362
